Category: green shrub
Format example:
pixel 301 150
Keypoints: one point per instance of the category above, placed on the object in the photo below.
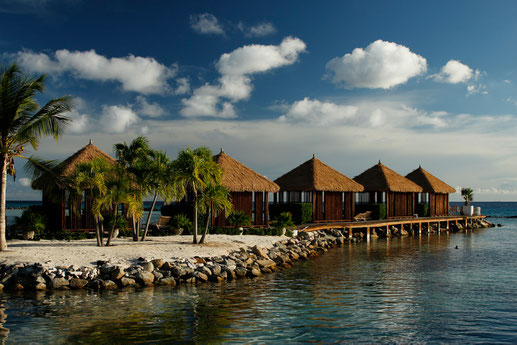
pixel 289 233
pixel 34 219
pixel 301 212
pixel 182 221
pixel 284 220
pixel 422 210
pixel 239 219
pixel 120 221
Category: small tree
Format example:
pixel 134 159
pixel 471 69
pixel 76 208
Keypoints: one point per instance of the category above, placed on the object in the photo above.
pixel 213 200
pixel 468 195
pixel 239 219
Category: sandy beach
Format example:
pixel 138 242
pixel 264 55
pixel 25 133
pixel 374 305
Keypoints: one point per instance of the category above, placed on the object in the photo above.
pixel 124 251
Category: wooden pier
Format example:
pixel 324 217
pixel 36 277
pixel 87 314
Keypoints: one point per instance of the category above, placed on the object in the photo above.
pixel 388 223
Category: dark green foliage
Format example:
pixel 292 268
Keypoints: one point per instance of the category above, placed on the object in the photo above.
pixel 284 220
pixel 33 219
pixel 239 219
pixel 225 231
pixel 120 222
pixel 301 212
pixel 289 233
pixel 422 210
pixel 181 221
pixel 178 208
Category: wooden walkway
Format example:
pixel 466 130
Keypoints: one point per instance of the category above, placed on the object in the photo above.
pixel 388 223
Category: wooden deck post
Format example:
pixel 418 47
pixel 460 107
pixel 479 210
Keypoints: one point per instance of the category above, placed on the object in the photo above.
pixel 350 233
pixel 368 234
pixel 420 228
pixel 388 230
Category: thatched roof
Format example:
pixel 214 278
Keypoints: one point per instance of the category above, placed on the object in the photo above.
pixel 314 175
pixel 380 178
pixel 239 178
pixel 430 183
pixel 86 154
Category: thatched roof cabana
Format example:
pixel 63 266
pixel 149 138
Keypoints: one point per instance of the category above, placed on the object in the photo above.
pixel 429 182
pixel 314 175
pixel 438 191
pixel 239 178
pixel 247 188
pixel 386 186
pixel 380 178
pixel 86 154
pixel 331 193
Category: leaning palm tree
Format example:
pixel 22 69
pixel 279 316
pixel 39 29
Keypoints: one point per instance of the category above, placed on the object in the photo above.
pixel 193 170
pixel 23 122
pixel 214 200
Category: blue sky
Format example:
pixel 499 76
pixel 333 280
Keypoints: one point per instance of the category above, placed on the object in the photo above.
pixel 274 82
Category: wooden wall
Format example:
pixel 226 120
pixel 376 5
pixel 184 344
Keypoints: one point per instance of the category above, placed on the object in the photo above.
pixel 243 201
pixel 333 205
pixel 400 204
pixel 317 206
pixel 438 204
pixel 349 206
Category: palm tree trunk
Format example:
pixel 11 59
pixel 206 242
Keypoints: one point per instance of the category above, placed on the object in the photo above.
pixel 101 233
pixel 110 233
pixel 133 224
pixel 206 228
pixel 98 232
pixel 149 216
pixel 3 189
pixel 195 218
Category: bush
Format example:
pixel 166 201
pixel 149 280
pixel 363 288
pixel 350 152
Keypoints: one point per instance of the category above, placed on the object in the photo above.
pixel 239 219
pixel 181 221
pixel 284 220
pixel 33 219
pixel 301 212
pixel 422 210
pixel 120 222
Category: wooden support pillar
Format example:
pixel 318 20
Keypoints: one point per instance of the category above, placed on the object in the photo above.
pixel 368 234
pixel 350 232
pixel 420 228
pixel 388 230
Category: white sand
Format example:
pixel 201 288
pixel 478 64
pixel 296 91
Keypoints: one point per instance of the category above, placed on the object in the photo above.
pixel 124 251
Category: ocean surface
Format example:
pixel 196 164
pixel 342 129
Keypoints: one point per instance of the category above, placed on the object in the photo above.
pixel 435 289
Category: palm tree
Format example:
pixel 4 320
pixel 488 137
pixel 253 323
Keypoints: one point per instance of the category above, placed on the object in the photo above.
pixel 159 181
pixel 468 195
pixel 91 177
pixel 193 170
pixel 23 122
pixel 134 158
pixel 214 199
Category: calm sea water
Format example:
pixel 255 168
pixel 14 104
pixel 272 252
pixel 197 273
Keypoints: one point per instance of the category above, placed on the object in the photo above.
pixel 457 288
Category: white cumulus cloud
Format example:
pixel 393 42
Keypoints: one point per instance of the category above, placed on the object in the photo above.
pixel 455 72
pixel 139 74
pixel 380 65
pixel 206 23
pixel 149 109
pixel 217 99
pixel 317 112
pixel 24 181
pixel 258 30
pixel 117 118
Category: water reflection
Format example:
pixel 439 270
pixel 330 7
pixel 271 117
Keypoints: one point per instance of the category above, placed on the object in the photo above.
pixel 412 289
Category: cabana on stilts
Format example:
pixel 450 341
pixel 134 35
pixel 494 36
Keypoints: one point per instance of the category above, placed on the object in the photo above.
pixel 63 215
pixel 383 185
pixel 331 193
pixel 435 191
pixel 249 190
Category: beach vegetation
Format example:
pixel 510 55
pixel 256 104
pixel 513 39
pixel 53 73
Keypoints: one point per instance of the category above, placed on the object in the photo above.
pixel 301 212
pixel 284 220
pixel 213 200
pixel 422 210
pixel 181 221
pixel 239 219
pixel 468 195
pixel 194 170
pixel 23 122
pixel 34 219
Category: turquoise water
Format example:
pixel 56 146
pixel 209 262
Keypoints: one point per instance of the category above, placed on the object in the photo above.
pixel 410 290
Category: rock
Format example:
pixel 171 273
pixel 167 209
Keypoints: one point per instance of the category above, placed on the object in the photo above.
pixel 167 266
pixel 40 286
pixel 254 272
pixel 77 283
pixel 403 232
pixel 201 277
pixel 147 266
pixel 107 269
pixel 265 263
pixel 58 283
pixel 125 281
pixel 200 260
pixel 1 287
pixel 108 285
pixel 158 263
pixel 157 275
pixel 216 269
pixel 117 273
pixel 240 272
pixel 94 284
pixel 499 225
pixel 169 281
pixel 259 252
pixel 145 278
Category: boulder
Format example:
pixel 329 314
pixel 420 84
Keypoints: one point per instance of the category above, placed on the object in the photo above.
pixel 158 263
pixel 40 286
pixel 125 281
pixel 145 278
pixel 254 272
pixel 240 272
pixel 169 281
pixel 58 283
pixel 108 285
pixel 200 277
pixel 147 266
pixel 265 263
pixel 259 252
pixel 117 273
pixel 77 283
